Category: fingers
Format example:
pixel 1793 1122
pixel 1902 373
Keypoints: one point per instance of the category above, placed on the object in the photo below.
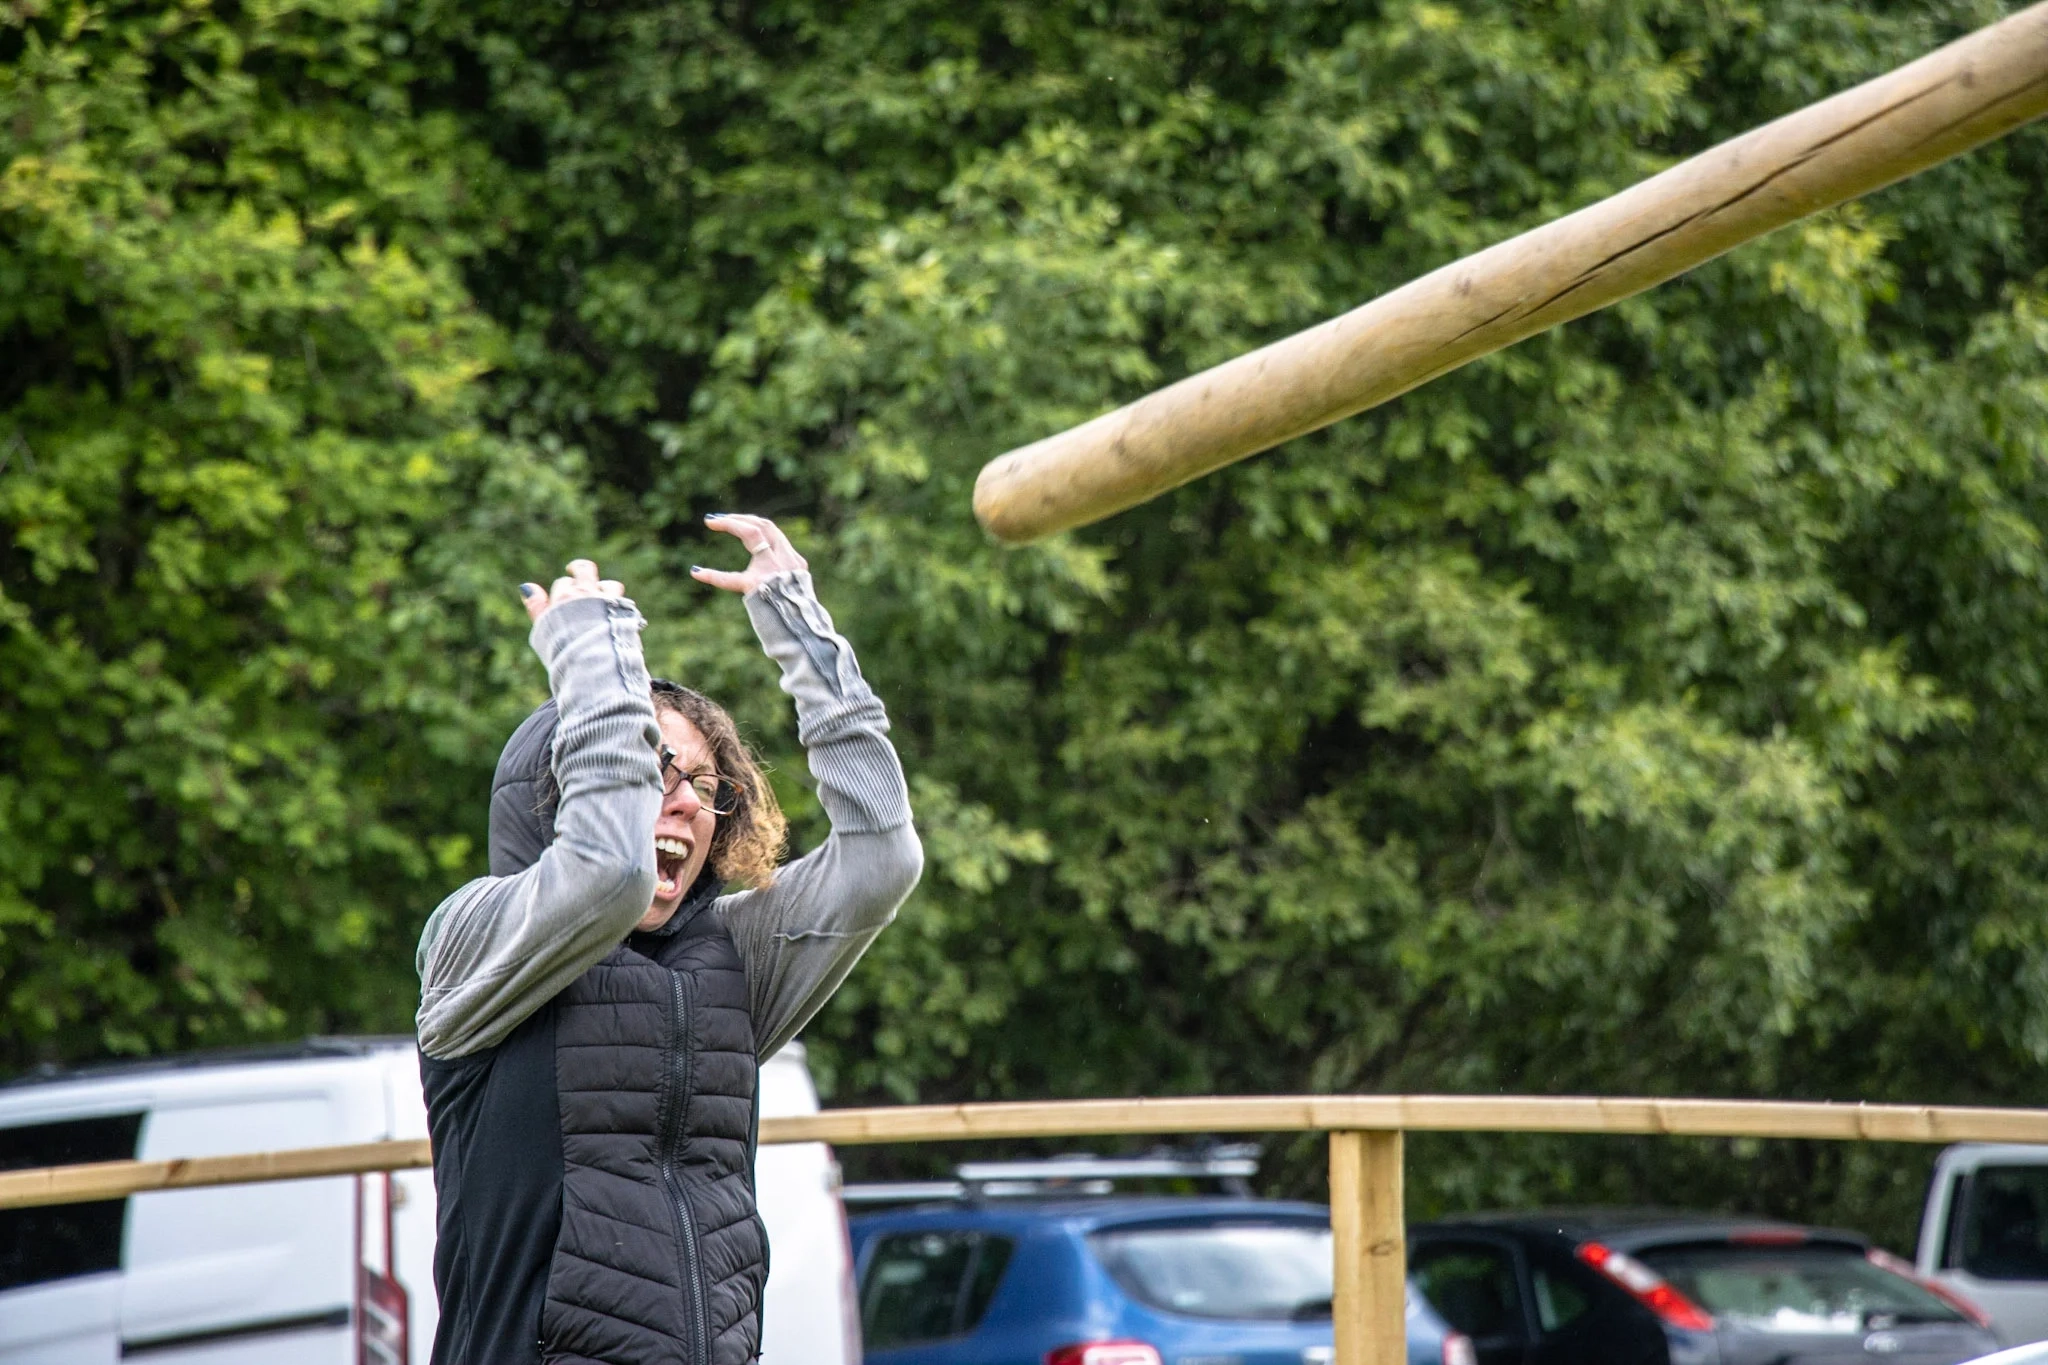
pixel 764 540
pixel 770 550
pixel 580 581
pixel 756 533
pixel 719 578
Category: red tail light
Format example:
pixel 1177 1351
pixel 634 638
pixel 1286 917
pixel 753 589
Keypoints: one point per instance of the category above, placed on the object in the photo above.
pixel 1884 1260
pixel 1104 1353
pixel 383 1315
pixel 1647 1288
pixel 381 1312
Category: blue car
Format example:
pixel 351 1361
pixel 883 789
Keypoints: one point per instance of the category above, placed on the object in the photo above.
pixel 1109 1280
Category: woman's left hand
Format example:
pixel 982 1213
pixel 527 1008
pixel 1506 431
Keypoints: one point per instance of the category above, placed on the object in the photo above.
pixel 772 553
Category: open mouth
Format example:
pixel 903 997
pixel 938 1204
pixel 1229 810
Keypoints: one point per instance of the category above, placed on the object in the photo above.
pixel 671 856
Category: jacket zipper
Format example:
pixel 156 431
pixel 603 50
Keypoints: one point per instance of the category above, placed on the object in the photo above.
pixel 671 1156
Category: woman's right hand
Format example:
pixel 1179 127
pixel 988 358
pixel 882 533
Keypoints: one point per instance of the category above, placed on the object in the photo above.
pixel 768 553
pixel 582 581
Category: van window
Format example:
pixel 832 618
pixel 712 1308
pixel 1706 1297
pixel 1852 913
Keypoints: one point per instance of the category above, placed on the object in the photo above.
pixel 63 1240
pixel 1952 1225
pixel 2004 1236
pixel 924 1286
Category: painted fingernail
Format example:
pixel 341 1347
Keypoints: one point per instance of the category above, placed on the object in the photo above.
pixel 529 589
pixel 696 568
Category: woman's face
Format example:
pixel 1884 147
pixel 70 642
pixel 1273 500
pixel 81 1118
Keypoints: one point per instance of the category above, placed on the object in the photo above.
pixel 682 836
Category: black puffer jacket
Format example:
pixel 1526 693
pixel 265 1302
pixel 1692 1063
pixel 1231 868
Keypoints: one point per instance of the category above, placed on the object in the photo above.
pixel 595 1168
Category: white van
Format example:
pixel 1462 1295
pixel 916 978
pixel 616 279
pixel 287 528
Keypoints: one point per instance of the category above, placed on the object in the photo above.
pixel 1984 1234
pixel 336 1271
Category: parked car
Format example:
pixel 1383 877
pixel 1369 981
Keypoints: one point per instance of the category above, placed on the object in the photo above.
pixel 1615 1287
pixel 2034 1353
pixel 335 1271
pixel 1002 1271
pixel 1984 1233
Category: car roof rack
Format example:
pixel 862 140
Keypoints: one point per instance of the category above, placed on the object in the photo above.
pixel 1077 1173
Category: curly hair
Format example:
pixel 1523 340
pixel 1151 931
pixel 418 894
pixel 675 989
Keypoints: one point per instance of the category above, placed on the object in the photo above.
pixel 748 843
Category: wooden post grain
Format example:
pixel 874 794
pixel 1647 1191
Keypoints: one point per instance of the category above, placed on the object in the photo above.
pixel 1972 91
pixel 1371 1247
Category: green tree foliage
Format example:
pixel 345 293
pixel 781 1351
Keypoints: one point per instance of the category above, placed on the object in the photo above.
pixel 256 634
pixel 1656 707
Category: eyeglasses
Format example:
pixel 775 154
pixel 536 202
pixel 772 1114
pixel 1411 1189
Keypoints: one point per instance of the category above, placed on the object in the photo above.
pixel 720 795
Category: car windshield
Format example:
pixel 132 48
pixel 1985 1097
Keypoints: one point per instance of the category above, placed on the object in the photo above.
pixel 1796 1289
pixel 1266 1271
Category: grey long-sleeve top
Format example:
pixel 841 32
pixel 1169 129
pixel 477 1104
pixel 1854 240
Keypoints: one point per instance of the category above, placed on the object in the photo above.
pixel 501 947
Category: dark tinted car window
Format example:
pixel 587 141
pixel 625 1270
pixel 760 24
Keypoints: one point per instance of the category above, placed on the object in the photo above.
pixel 991 1259
pixel 63 1240
pixel 1560 1301
pixel 923 1286
pixel 1271 1272
pixel 2004 1236
pixel 1796 1289
pixel 1952 1228
pixel 1473 1286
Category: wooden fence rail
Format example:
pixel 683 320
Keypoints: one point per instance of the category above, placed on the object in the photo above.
pixel 1365 1156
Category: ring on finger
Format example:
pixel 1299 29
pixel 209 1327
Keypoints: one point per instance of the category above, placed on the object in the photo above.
pixel 762 548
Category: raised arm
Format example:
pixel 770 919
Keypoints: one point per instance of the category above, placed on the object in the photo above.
pixel 501 947
pixel 800 937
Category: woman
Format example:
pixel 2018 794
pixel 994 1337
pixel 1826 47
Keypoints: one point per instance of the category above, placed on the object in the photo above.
pixel 593 1013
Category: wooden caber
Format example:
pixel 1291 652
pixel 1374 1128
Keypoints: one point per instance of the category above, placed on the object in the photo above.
pixel 1863 139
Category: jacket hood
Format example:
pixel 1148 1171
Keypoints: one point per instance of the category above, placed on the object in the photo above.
pixel 524 794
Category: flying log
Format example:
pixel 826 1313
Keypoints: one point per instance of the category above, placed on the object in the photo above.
pixel 1966 94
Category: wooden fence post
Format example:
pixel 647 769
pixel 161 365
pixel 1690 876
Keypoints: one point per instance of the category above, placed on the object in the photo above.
pixel 1370 1305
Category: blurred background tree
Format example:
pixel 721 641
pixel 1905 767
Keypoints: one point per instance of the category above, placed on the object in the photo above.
pixel 256 643
pixel 1657 707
